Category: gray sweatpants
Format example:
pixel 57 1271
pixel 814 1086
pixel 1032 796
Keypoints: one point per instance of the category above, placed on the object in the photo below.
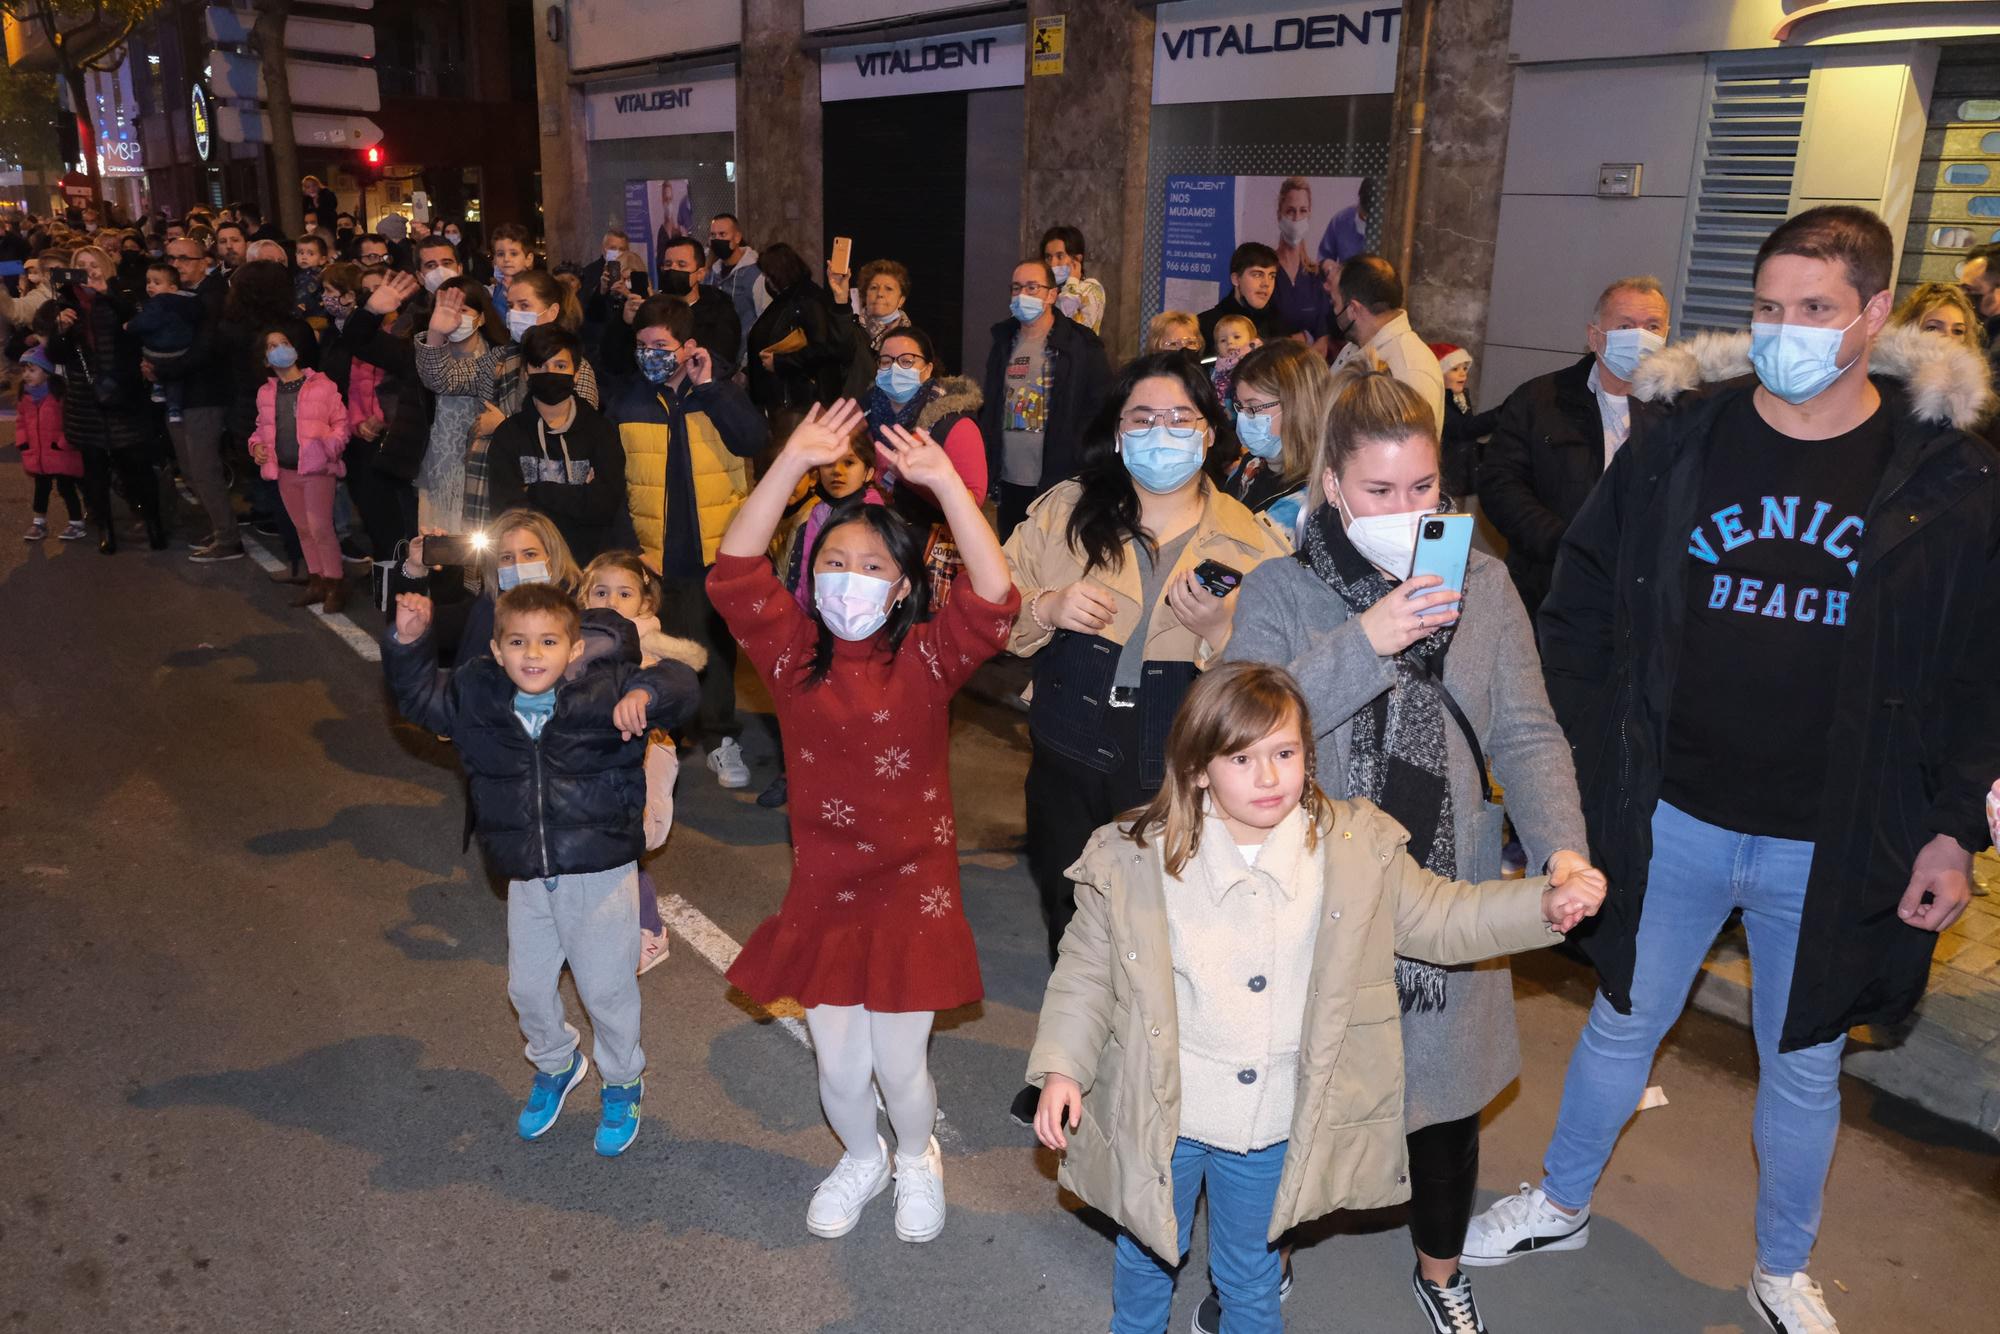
pixel 592 923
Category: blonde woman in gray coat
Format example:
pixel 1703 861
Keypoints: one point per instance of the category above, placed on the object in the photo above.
pixel 1398 671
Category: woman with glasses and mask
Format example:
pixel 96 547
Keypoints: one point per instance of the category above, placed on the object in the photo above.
pixel 1281 391
pixel 1412 689
pixel 1127 577
pixel 909 393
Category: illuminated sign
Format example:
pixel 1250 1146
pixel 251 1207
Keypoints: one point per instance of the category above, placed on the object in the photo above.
pixel 199 119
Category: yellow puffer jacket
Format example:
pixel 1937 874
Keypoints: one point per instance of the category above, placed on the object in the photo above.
pixel 721 477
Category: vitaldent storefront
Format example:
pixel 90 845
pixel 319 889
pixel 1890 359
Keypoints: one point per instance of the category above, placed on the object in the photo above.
pixel 922 145
pixel 1270 123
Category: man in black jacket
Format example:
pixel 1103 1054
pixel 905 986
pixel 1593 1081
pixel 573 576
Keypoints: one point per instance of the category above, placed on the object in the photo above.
pixel 205 376
pixel 1045 379
pixel 1770 642
pixel 1557 433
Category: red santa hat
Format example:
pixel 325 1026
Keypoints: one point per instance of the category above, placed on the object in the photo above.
pixel 1450 355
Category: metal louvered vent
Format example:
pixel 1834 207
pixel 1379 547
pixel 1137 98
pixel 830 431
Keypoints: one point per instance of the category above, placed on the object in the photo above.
pixel 1749 150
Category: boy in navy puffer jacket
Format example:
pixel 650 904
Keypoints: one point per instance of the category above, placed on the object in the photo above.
pixel 558 792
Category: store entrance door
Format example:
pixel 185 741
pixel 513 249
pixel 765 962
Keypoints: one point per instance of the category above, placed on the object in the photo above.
pixel 895 182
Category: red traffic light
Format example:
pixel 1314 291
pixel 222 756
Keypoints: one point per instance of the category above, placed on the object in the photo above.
pixel 374 156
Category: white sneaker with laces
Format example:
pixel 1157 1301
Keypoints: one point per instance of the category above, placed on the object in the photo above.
pixel 1793 1305
pixel 920 1195
pixel 837 1202
pixel 725 760
pixel 1523 1224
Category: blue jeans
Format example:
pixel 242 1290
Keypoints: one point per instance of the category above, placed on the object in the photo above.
pixel 1699 873
pixel 1242 1191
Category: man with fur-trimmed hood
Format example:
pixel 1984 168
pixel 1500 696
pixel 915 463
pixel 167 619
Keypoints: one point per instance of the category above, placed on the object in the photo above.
pixel 1770 642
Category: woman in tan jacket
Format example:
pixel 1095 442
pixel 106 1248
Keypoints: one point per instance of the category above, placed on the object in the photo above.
pixel 1224 1011
pixel 1114 615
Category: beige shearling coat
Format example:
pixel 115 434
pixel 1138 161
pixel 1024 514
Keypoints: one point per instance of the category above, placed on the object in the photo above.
pixel 1108 1020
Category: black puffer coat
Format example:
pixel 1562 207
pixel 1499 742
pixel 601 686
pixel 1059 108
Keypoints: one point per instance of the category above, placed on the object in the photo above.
pixel 1915 736
pixel 569 802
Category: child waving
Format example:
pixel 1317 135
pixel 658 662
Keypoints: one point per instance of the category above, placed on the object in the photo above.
pixel 871 938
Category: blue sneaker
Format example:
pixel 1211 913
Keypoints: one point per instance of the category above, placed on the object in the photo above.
pixel 545 1102
pixel 618 1126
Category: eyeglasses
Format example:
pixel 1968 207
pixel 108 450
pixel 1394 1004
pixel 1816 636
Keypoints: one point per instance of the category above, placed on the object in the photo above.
pixel 1026 289
pixel 1181 345
pixel 1181 421
pixel 1257 409
pixel 909 361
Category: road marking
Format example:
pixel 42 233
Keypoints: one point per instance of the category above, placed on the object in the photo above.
pixel 716 946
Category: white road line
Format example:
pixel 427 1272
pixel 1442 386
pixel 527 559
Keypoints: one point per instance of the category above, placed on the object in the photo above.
pixel 716 946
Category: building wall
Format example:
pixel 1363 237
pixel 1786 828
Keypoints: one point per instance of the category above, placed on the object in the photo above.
pixel 780 167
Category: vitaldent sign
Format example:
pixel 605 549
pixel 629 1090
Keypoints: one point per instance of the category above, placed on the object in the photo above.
pixel 987 58
pixel 702 102
pixel 1219 51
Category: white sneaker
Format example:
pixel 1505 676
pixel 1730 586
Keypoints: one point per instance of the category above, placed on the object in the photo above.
pixel 37 530
pixel 1523 1224
pixel 1792 1305
pixel 725 760
pixel 837 1202
pixel 920 1195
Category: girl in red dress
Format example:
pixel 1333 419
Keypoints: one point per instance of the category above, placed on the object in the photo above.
pixel 871 938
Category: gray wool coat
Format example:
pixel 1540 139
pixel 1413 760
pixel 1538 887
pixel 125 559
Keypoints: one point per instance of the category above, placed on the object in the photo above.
pixel 1459 1058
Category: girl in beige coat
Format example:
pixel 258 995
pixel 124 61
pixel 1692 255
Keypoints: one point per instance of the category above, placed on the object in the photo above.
pixel 1224 1010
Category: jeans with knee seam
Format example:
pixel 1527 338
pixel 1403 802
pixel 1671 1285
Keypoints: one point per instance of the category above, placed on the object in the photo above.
pixel 1242 1192
pixel 1699 873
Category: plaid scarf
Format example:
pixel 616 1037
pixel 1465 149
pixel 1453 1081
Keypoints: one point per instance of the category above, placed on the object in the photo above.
pixel 1396 754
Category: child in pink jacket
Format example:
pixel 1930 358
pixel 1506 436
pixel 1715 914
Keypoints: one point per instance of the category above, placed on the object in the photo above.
pixel 45 452
pixel 301 433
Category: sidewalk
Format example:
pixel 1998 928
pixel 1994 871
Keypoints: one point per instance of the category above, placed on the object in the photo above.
pixel 1945 1057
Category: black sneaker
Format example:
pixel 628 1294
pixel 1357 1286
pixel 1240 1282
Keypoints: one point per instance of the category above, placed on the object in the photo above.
pixel 1208 1316
pixel 215 552
pixel 1449 1306
pixel 775 795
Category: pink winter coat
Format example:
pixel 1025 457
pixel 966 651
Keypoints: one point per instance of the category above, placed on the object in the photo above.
pixel 362 400
pixel 322 427
pixel 38 431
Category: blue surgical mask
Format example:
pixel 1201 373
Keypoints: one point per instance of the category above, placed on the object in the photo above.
pixel 1161 461
pixel 1061 272
pixel 519 322
pixel 1027 309
pixel 900 383
pixel 1624 349
pixel 523 572
pixel 282 357
pixel 1797 361
pixel 1258 434
pixel 658 364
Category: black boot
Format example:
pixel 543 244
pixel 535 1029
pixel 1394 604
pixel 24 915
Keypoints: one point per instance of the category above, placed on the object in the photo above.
pixel 108 544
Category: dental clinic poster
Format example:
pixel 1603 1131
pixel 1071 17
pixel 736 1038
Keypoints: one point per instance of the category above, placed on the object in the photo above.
pixel 1207 217
pixel 654 212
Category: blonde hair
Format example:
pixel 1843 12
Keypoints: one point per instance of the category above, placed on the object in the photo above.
pixel 103 257
pixel 1304 387
pixel 1918 305
pixel 1165 323
pixel 1369 407
pixel 625 562
pixel 551 291
pixel 1243 322
pixel 563 572
pixel 1231 707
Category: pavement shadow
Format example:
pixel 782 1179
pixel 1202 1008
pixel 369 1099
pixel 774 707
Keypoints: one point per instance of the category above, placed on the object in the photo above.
pixel 399 834
pixel 453 921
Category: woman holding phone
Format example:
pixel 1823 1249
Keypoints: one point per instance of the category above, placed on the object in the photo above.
pixel 1413 688
pixel 1115 615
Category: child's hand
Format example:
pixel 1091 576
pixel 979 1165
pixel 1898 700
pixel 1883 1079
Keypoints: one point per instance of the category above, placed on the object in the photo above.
pixel 1061 1105
pixel 916 457
pixel 395 290
pixel 413 617
pixel 700 365
pixel 630 715
pixel 1576 890
pixel 824 435
pixel 489 421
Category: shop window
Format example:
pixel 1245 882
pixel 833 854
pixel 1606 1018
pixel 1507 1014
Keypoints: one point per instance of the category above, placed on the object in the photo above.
pixel 1983 206
pixel 1953 238
pixel 1979 108
pixel 1968 173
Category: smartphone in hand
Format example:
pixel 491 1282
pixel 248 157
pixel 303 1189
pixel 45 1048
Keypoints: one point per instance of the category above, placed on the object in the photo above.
pixel 1444 545
pixel 1217 578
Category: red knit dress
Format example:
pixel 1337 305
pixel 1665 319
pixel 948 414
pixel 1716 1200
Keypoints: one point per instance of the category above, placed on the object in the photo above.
pixel 872 914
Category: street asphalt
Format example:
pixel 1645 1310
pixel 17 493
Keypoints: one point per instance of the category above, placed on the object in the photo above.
pixel 262 1072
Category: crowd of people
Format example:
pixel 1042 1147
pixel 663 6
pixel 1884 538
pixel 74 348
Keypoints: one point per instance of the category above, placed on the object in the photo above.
pixel 1735 659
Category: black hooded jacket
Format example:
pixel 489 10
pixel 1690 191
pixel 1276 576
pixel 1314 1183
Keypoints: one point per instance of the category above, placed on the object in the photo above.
pixel 570 801
pixel 1915 736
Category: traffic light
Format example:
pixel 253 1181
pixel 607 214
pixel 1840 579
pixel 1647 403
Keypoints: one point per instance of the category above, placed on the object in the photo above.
pixel 374 155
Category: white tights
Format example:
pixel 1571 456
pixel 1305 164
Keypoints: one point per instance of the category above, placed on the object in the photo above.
pixel 856 1047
